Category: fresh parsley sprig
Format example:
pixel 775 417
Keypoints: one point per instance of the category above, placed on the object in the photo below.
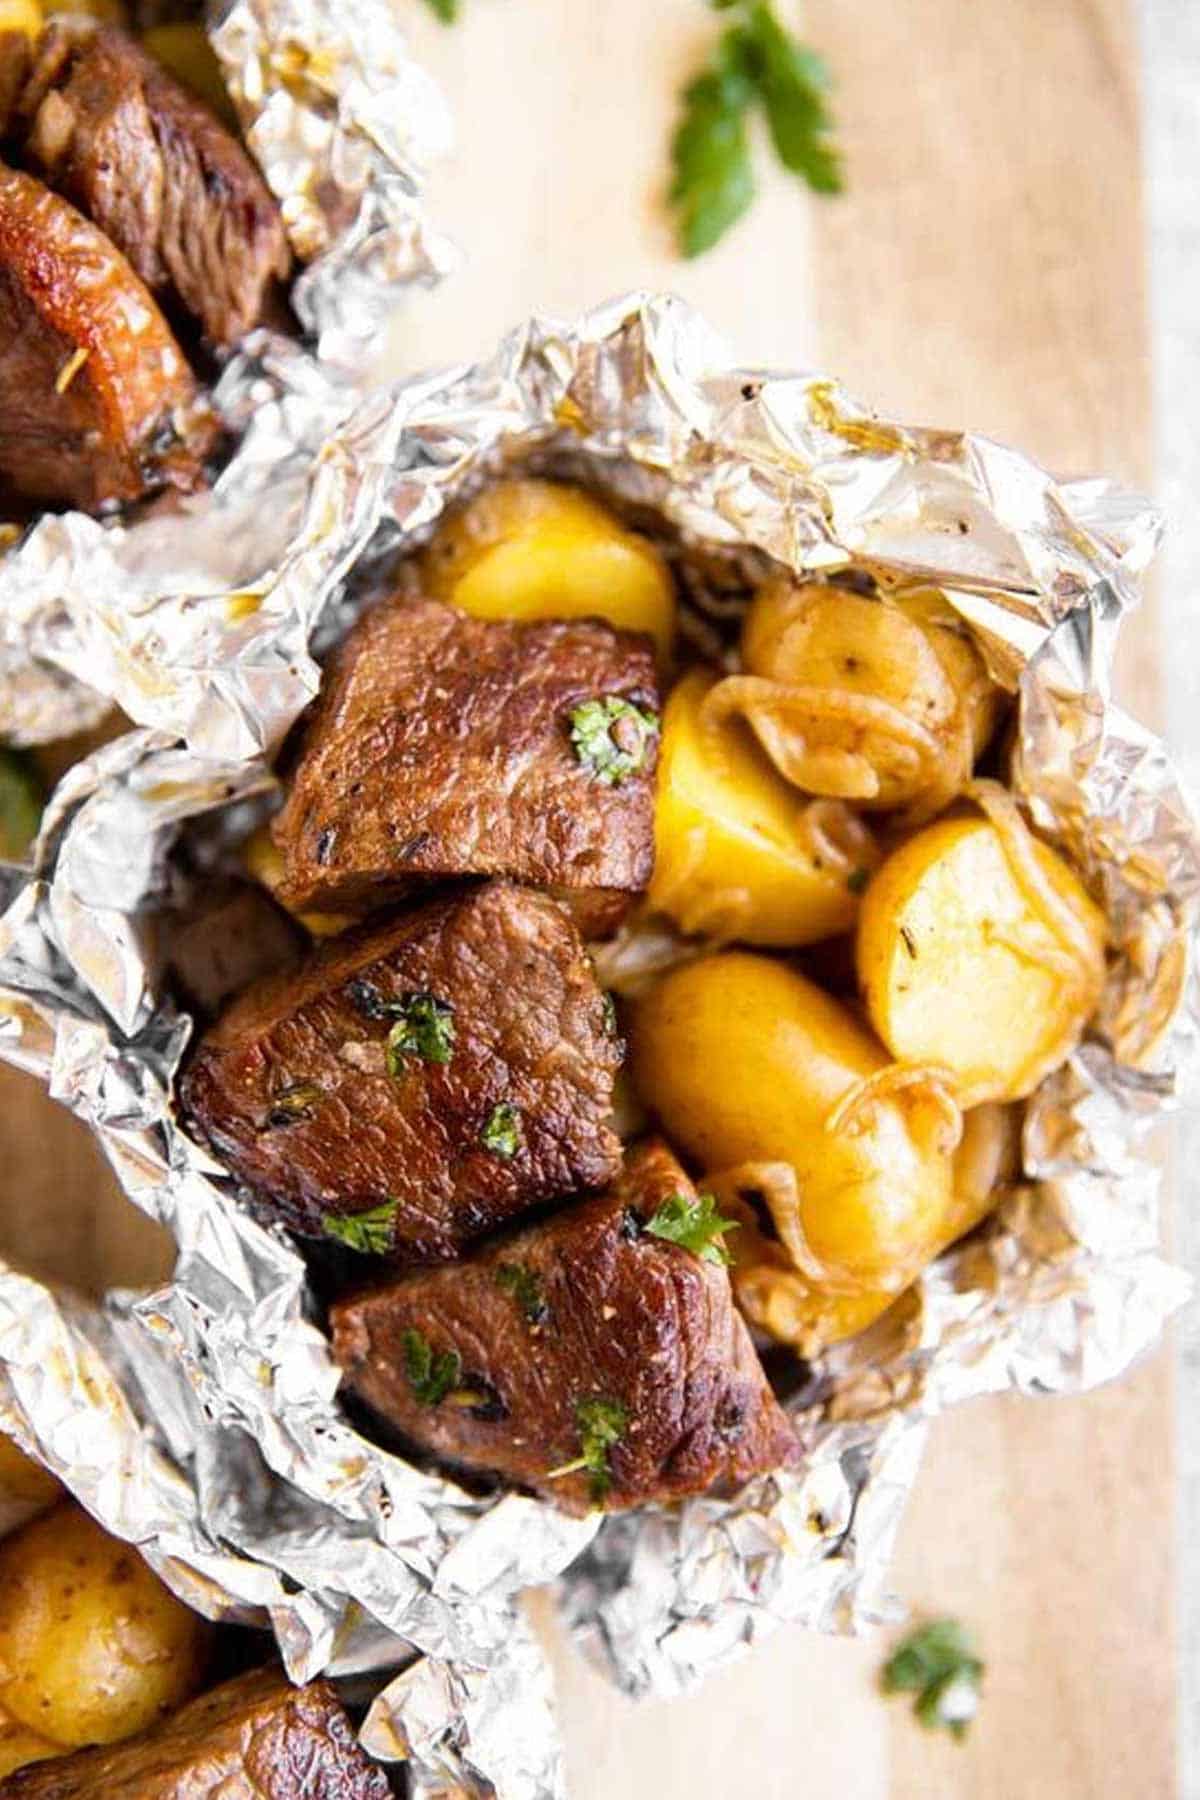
pixel 600 1423
pixel 938 1663
pixel 431 1375
pixel 694 1223
pixel 756 61
pixel 369 1233
pixel 446 10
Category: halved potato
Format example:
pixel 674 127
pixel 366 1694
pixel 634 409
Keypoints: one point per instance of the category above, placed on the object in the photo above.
pixel 979 951
pixel 739 854
pixel 883 701
pixel 536 550
pixel 25 16
pixel 93 1646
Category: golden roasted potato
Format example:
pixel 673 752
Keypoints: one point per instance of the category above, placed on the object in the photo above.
pixel 882 701
pixel 537 550
pixel 93 1647
pixel 23 1480
pixel 738 853
pixel 752 1069
pixel 264 863
pixel 979 951
pixel 794 1309
pixel 19 1747
pixel 25 16
pixel 108 12
pixel 184 50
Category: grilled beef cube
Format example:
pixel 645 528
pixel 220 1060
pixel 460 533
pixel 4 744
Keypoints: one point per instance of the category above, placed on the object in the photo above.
pixel 108 128
pixel 418 1082
pixel 442 745
pixel 256 1738
pixel 585 1357
pixel 97 402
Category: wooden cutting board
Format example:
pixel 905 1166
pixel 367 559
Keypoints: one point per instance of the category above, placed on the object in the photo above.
pixel 984 268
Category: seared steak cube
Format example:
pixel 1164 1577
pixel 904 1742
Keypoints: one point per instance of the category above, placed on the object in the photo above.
pixel 256 1738
pixel 418 1082
pixel 97 402
pixel 153 168
pixel 585 1357
pixel 443 745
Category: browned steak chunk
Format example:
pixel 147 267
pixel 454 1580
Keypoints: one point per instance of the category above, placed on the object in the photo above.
pixel 584 1357
pixel 418 1082
pixel 97 402
pixel 256 1738
pixel 155 170
pixel 445 745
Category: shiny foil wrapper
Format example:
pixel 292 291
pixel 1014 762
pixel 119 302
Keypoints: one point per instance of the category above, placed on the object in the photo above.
pixel 202 1420
pixel 345 127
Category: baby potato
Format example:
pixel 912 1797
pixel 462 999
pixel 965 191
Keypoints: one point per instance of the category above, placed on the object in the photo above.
pixel 882 701
pixel 738 854
pixel 979 951
pixel 751 1068
pixel 23 1479
pixel 25 16
pixel 184 50
pixel 793 1308
pixel 536 550
pixel 93 1646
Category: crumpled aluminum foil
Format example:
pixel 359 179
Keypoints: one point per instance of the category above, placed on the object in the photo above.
pixel 202 1420
pixel 346 128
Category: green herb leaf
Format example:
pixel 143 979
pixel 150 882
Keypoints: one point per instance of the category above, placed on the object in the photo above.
pixel 525 1289
pixel 612 737
pixel 503 1134
pixel 446 10
pixel 424 1027
pixel 430 1376
pixel 755 62
pixel 696 1224
pixel 21 800
pixel 601 1423
pixel 370 1233
pixel 938 1663
pixel 793 82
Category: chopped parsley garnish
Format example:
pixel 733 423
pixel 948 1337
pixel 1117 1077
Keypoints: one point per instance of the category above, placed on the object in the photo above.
pixel 696 1224
pixel 525 1289
pixel 857 880
pixel 610 1013
pixel 938 1663
pixel 612 737
pixel 431 1376
pixel 503 1134
pixel 21 800
pixel 424 1027
pixel 446 10
pixel 601 1424
pixel 370 1233
pixel 755 62
pixel 296 1102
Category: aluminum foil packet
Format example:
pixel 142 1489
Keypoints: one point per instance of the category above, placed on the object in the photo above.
pixel 345 127
pixel 201 1421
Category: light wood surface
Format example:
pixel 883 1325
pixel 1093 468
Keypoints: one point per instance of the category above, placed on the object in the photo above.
pixel 984 268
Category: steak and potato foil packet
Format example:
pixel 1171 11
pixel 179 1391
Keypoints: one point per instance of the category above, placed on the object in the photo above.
pixel 345 128
pixel 202 1421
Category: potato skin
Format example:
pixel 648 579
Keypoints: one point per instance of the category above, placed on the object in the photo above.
pixel 738 853
pixel 744 1060
pixel 19 1747
pixel 531 549
pixel 882 701
pixel 23 1479
pixel 93 1646
pixel 958 969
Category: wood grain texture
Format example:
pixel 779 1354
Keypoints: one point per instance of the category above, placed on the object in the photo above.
pixel 984 268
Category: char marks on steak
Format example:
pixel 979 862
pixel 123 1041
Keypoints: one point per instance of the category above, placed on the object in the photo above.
pixel 581 1333
pixel 441 746
pixel 106 126
pixel 489 1001
pixel 97 402
pixel 255 1738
